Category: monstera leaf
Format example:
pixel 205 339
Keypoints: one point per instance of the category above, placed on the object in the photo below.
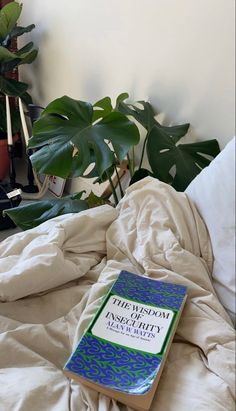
pixel 102 108
pixel 95 201
pixel 187 159
pixel 144 115
pixel 120 99
pixel 71 140
pixel 31 215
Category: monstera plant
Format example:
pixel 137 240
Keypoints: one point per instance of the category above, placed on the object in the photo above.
pixel 72 135
pixel 170 161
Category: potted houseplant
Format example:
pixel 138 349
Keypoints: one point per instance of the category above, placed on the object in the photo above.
pixel 72 135
pixel 10 60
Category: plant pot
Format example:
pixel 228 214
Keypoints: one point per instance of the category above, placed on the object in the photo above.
pixel 4 157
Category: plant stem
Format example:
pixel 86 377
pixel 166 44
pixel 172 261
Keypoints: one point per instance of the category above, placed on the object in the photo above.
pixel 133 160
pixel 144 145
pixel 130 165
pixel 119 182
pixel 113 189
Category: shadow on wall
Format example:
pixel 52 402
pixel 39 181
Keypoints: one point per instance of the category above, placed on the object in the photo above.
pixel 177 102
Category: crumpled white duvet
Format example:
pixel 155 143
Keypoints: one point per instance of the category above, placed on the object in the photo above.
pixel 52 280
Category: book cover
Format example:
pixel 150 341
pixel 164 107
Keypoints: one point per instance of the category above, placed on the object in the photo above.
pixel 123 350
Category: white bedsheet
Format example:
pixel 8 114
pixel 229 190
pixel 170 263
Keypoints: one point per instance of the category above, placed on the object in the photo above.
pixel 52 280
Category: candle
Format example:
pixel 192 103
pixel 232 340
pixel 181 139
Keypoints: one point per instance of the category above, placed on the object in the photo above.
pixel 9 129
pixel 23 122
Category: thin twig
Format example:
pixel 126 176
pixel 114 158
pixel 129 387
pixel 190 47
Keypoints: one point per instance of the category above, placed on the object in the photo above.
pixel 144 145
pixel 113 189
pixel 133 161
pixel 130 165
pixel 119 183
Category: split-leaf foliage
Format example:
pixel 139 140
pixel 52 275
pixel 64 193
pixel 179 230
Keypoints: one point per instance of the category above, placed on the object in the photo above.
pixel 72 135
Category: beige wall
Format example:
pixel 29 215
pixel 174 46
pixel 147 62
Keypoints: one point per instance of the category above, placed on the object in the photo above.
pixel 178 54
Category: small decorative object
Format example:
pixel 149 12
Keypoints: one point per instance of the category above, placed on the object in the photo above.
pixel 123 351
pixel 56 185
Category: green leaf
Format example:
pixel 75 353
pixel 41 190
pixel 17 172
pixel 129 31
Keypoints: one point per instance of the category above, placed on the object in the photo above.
pixel 95 201
pixel 4 38
pixel 53 156
pixel 28 58
pixel 11 60
pixel 9 15
pixel 15 118
pixel 12 87
pixel 25 57
pixel 63 106
pixel 6 55
pixel 106 175
pixel 104 105
pixel 176 132
pixel 19 30
pixel 16 32
pixel 68 123
pixel 120 98
pixel 9 66
pixel 145 115
pixel 25 49
pixel 74 196
pixel 26 98
pixel 188 159
pixel 31 215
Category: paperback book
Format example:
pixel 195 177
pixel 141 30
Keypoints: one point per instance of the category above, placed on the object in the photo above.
pixel 123 351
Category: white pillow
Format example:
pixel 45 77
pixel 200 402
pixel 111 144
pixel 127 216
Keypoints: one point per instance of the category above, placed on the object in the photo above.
pixel 213 192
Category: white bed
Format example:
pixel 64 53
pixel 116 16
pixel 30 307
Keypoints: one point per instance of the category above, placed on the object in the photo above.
pixel 52 280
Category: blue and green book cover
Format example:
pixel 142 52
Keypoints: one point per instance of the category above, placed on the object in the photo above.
pixel 126 343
